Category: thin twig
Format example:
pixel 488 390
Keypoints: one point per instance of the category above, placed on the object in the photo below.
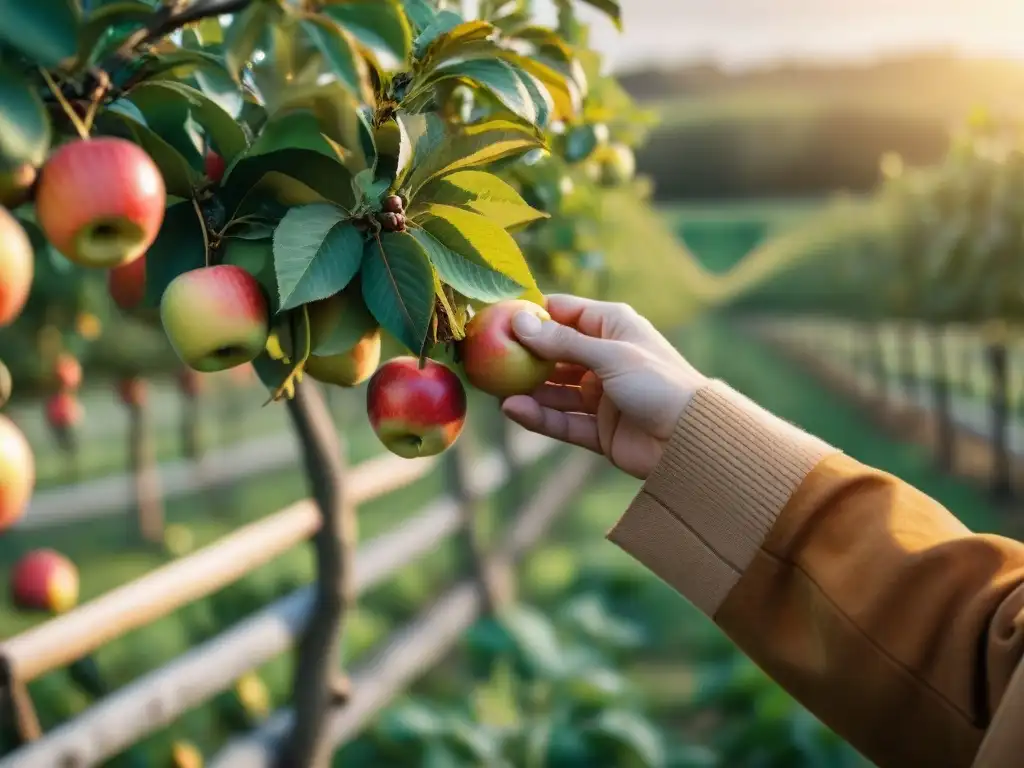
pixel 65 105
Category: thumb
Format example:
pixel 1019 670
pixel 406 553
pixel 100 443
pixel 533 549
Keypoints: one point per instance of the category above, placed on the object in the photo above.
pixel 560 343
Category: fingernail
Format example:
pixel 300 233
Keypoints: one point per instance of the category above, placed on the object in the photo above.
pixel 526 324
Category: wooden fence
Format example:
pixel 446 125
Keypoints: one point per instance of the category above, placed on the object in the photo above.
pixel 327 709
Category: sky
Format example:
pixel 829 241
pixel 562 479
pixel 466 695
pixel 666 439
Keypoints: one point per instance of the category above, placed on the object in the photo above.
pixel 741 33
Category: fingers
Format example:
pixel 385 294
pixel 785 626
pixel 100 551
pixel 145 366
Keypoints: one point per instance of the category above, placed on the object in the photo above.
pixel 569 399
pixel 568 374
pixel 554 341
pixel 602 319
pixel 574 428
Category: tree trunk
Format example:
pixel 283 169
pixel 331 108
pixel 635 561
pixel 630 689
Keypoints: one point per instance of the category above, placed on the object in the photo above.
pixel 318 682
pixel 945 441
pixel 191 428
pixel 999 403
pixel 149 507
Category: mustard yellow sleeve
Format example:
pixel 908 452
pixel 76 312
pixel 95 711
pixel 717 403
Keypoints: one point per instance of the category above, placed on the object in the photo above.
pixel 865 599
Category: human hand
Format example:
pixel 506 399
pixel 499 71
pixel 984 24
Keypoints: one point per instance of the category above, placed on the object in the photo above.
pixel 619 387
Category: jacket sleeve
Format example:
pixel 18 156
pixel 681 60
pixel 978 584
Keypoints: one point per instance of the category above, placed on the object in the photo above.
pixel 865 599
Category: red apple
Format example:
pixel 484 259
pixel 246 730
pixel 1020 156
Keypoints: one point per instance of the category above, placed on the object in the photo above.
pixel 214 165
pixel 215 317
pixel 132 391
pixel 127 284
pixel 45 580
pixel 416 411
pixel 17 267
pixel 494 360
pixel 64 410
pixel 191 382
pixel 67 372
pixel 17 473
pixel 100 202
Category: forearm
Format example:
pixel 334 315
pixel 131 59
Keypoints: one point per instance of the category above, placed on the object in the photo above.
pixel 867 600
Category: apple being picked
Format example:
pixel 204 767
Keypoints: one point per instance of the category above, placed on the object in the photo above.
pixel 67 371
pixel 100 201
pixel 494 360
pixel 215 317
pixel 44 580
pixel 17 473
pixel 416 411
pixel 17 266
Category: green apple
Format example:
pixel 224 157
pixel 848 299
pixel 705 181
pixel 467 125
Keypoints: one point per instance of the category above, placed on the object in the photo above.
pixel 215 317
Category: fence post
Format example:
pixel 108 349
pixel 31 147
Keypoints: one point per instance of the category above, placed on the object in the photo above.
pixel 149 506
pixel 493 578
pixel 318 683
pixel 17 706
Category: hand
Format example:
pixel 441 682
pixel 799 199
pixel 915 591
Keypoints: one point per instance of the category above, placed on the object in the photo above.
pixel 619 387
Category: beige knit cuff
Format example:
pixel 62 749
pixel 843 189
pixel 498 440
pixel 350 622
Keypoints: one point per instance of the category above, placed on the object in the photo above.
pixel 721 484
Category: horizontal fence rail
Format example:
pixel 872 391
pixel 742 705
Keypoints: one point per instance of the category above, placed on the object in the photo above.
pixel 410 651
pixel 159 697
pixel 111 495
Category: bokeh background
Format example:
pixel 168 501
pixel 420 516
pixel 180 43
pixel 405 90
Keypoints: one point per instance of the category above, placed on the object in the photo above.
pixel 817 207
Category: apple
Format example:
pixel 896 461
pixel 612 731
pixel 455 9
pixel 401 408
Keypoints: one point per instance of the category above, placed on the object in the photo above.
pixel 132 391
pixel 416 411
pixel 185 754
pixel 16 184
pixel 190 382
pixel 215 317
pixel 617 165
pixel 127 283
pixel 6 384
pixel 100 201
pixel 348 368
pixel 494 360
pixel 44 580
pixel 214 165
pixel 64 410
pixel 17 473
pixel 67 372
pixel 17 266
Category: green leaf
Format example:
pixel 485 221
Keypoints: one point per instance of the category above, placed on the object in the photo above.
pixel 381 25
pixel 178 248
pixel 495 76
pixel 630 737
pixel 482 193
pixel 317 252
pixel 293 129
pixel 398 287
pixel 221 128
pixel 180 178
pixel 535 640
pixel 442 22
pixel 543 103
pixel 243 35
pixel 338 49
pixel 420 12
pixel 24 125
pixel 471 279
pixel 580 142
pixel 44 30
pixel 329 179
pixel 211 73
pixel 352 323
pixel 610 8
pixel 565 92
pixel 480 240
pixel 475 146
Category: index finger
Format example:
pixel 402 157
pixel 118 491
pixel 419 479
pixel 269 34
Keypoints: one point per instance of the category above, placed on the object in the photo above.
pixel 600 319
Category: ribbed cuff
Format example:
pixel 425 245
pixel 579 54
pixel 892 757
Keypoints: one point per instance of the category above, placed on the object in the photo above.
pixel 721 484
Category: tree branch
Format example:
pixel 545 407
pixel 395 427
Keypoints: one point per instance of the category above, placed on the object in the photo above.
pixel 175 15
pixel 316 685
